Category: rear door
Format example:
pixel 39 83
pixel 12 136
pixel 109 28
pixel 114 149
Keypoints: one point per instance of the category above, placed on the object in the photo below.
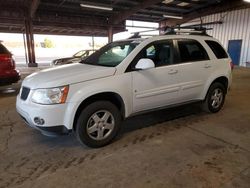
pixel 194 68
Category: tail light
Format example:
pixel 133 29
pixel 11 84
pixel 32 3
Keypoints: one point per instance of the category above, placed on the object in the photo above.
pixel 7 61
pixel 232 65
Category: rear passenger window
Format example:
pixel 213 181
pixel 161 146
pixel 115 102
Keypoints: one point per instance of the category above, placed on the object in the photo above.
pixel 218 50
pixel 191 50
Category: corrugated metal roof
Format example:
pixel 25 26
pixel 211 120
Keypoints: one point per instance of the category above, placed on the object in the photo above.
pixel 68 17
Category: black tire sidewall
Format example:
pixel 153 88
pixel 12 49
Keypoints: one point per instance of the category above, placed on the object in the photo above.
pixel 209 106
pixel 81 126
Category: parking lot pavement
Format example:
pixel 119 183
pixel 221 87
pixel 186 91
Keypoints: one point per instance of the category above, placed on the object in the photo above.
pixel 180 147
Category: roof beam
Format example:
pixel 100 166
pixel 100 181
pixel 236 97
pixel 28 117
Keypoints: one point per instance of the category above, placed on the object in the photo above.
pixel 188 1
pixel 213 9
pixel 123 15
pixel 33 7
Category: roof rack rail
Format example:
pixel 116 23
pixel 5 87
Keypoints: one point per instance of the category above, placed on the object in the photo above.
pixel 135 36
pixel 139 35
pixel 192 30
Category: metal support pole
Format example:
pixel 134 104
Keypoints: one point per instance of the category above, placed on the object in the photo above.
pixel 93 43
pixel 32 46
pixel 25 47
pixel 110 34
pixel 30 42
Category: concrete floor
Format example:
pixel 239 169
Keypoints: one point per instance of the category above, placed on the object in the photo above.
pixel 179 147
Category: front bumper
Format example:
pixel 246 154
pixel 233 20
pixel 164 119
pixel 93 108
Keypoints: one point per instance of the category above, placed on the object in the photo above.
pixel 52 115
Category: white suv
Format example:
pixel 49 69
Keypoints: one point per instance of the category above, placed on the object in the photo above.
pixel 125 78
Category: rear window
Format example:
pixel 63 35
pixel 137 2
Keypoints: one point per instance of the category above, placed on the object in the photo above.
pixel 218 50
pixel 191 50
pixel 3 50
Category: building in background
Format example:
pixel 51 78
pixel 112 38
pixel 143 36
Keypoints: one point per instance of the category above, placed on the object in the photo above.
pixel 233 32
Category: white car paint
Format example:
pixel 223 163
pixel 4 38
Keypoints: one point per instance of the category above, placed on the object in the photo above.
pixel 139 90
pixel 66 75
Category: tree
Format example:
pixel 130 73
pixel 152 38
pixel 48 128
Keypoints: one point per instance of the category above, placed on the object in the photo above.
pixel 48 43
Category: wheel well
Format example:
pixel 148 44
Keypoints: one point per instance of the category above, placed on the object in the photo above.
pixel 106 96
pixel 223 80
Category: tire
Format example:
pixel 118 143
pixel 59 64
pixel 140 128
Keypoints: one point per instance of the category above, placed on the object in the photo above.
pixel 98 124
pixel 215 98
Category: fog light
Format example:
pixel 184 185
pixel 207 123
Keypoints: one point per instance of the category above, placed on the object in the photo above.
pixel 39 121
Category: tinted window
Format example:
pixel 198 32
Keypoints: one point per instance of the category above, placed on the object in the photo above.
pixel 3 50
pixel 161 53
pixel 218 50
pixel 191 50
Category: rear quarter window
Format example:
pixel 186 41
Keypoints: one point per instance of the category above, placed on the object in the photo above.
pixel 191 50
pixel 217 49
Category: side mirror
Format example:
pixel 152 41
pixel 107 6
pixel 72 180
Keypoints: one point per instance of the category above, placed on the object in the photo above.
pixel 144 64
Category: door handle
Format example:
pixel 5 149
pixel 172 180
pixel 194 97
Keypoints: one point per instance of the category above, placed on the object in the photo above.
pixel 173 71
pixel 207 66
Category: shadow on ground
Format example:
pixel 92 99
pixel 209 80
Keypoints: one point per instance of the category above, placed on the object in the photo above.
pixel 159 116
pixel 9 90
pixel 129 125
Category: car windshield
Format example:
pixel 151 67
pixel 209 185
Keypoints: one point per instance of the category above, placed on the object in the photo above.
pixel 112 54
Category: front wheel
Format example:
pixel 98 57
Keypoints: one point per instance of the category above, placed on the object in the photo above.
pixel 98 124
pixel 215 98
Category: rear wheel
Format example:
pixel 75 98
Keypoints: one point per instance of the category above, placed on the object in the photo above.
pixel 98 124
pixel 215 98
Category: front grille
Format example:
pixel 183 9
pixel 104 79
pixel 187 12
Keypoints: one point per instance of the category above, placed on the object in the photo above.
pixel 25 93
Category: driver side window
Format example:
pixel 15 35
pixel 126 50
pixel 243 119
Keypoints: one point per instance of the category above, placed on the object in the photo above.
pixel 160 52
pixel 150 52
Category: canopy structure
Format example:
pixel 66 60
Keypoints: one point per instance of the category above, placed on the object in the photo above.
pixel 99 17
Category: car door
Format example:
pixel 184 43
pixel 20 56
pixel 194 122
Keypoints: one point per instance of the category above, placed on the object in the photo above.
pixel 156 87
pixel 194 69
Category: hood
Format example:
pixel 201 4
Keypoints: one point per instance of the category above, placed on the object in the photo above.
pixel 67 74
pixel 66 59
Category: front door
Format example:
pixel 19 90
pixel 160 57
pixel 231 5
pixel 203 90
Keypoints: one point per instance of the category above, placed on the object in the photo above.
pixel 156 87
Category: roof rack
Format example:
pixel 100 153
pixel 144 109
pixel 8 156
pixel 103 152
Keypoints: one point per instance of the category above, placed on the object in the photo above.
pixel 135 36
pixel 192 30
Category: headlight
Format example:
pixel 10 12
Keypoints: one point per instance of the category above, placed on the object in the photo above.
pixel 56 95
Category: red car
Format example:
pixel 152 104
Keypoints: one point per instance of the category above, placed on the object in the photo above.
pixel 8 73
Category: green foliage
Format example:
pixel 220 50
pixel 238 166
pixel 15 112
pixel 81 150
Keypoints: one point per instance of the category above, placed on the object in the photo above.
pixel 48 43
